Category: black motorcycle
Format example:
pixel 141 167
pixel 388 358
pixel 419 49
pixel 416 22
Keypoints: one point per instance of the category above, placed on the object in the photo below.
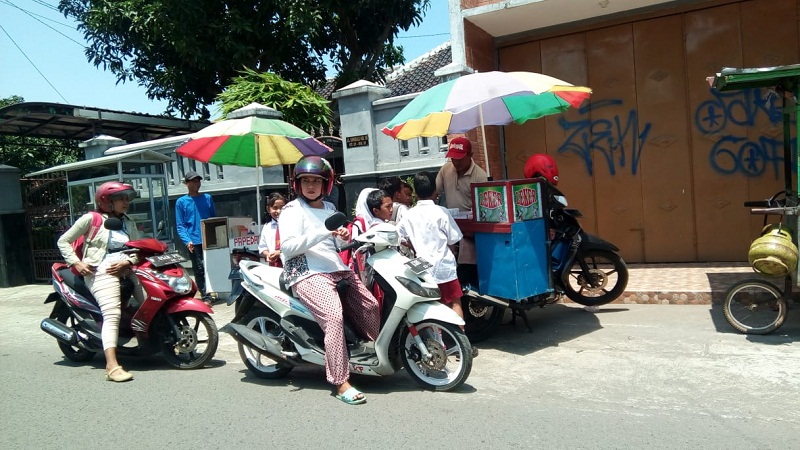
pixel 583 267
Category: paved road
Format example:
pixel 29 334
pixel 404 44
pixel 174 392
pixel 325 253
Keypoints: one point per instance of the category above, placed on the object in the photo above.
pixel 629 376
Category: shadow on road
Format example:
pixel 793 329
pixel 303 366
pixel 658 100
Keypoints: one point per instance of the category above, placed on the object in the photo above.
pixel 549 326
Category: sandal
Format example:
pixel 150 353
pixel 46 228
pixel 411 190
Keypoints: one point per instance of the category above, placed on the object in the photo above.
pixel 118 374
pixel 349 397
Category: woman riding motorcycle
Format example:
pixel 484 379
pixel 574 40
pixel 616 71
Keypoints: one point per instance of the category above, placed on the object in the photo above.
pixel 102 267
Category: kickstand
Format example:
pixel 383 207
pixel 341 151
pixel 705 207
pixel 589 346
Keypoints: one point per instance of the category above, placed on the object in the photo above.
pixel 517 313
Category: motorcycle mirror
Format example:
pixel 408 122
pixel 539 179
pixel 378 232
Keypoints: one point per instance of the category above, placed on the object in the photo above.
pixel 112 223
pixel 335 221
pixel 561 199
pixel 161 226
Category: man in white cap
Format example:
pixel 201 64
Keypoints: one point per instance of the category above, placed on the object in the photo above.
pixel 189 211
pixel 453 182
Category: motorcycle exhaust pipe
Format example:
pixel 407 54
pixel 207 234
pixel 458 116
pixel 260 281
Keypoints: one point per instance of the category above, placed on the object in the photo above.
pixel 488 298
pixel 257 341
pixel 59 331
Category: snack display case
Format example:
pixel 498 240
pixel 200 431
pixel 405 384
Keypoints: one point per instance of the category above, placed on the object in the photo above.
pixel 511 237
pixel 220 236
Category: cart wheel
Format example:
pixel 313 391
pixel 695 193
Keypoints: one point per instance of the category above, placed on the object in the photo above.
pixel 481 318
pixel 755 306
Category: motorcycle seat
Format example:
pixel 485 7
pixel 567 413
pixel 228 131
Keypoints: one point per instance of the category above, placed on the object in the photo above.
pixel 77 283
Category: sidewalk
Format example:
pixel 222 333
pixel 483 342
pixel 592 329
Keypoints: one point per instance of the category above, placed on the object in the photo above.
pixel 685 283
pixel 672 283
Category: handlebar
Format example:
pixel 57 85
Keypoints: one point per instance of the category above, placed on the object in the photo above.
pixel 780 211
pixel 350 246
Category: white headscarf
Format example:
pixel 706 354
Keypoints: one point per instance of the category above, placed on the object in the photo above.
pixel 363 211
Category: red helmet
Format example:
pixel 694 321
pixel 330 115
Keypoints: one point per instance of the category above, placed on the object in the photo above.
pixel 109 191
pixel 542 165
pixel 313 166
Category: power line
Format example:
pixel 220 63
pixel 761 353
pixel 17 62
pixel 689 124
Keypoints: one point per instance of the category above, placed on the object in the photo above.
pixel 7 2
pixel 36 19
pixel 422 35
pixel 46 5
pixel 34 65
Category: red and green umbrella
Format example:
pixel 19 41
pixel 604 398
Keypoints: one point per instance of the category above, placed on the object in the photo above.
pixel 485 98
pixel 251 141
pixel 252 136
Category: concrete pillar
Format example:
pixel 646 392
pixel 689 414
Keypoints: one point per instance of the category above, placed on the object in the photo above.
pixel 96 146
pixel 360 145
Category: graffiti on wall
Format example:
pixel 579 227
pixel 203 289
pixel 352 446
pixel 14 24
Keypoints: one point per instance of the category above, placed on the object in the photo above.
pixel 618 141
pixel 724 119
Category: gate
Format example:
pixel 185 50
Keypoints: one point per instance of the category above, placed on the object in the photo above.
pixel 47 215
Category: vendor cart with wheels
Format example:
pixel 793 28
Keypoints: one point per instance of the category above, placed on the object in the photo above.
pixel 757 305
pixel 530 251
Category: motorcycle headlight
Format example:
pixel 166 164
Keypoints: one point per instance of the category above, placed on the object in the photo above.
pixel 417 289
pixel 180 285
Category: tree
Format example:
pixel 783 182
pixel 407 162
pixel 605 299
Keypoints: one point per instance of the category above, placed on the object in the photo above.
pixel 300 105
pixel 33 154
pixel 186 52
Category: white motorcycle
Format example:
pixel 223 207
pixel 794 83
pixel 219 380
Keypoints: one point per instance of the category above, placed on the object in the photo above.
pixel 276 332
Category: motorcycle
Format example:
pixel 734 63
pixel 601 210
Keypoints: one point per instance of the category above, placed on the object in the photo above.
pixel 276 333
pixel 235 275
pixel 169 320
pixel 583 267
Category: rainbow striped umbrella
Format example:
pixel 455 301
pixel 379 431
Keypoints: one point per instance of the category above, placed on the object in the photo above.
pixel 251 141
pixel 252 136
pixel 485 98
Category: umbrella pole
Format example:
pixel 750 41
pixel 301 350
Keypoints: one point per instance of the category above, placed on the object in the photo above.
pixel 483 136
pixel 258 186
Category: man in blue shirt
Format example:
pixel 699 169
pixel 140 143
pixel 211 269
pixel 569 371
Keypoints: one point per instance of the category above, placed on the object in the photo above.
pixel 189 211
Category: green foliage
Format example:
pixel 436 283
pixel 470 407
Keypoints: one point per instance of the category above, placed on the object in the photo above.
pixel 300 105
pixel 33 154
pixel 187 52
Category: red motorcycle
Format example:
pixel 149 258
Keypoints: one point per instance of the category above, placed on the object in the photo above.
pixel 170 320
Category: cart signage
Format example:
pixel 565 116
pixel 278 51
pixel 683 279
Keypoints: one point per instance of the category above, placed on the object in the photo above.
pixel 527 201
pixel 491 203
pixel 245 241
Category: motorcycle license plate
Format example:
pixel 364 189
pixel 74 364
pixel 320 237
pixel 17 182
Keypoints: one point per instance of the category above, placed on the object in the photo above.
pixel 166 259
pixel 418 265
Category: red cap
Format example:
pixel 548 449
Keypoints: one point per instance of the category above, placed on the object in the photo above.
pixel 458 148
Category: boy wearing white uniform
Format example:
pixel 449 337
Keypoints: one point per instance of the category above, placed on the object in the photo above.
pixel 432 231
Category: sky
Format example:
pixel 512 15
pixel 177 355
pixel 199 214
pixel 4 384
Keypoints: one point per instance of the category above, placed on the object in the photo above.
pixel 42 58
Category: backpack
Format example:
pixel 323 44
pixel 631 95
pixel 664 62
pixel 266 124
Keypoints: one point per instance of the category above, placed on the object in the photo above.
pixel 347 255
pixel 77 244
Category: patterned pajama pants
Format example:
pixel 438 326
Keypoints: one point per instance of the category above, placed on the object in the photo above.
pixel 318 294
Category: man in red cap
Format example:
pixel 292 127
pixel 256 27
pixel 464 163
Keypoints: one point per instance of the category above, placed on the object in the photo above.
pixel 453 182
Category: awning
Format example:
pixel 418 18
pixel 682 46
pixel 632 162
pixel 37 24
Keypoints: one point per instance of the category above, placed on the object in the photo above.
pixel 730 79
pixel 136 155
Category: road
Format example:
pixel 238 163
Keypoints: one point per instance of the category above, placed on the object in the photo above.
pixel 629 376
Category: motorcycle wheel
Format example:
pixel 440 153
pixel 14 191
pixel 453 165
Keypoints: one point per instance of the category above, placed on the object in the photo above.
pixel 755 306
pixel 451 355
pixel 481 318
pixel 196 343
pixel 606 269
pixel 266 323
pixel 76 354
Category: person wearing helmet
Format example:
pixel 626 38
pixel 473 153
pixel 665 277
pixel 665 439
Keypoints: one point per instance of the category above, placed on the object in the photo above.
pixel 542 165
pixel 312 267
pixel 190 210
pixel 102 266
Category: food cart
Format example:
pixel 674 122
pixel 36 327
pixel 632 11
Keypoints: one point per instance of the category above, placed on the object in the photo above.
pixel 757 306
pixel 221 235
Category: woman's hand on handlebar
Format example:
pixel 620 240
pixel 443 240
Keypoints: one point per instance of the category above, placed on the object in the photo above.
pixel 341 233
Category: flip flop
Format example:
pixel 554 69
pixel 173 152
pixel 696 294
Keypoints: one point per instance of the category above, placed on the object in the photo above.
pixel 349 397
